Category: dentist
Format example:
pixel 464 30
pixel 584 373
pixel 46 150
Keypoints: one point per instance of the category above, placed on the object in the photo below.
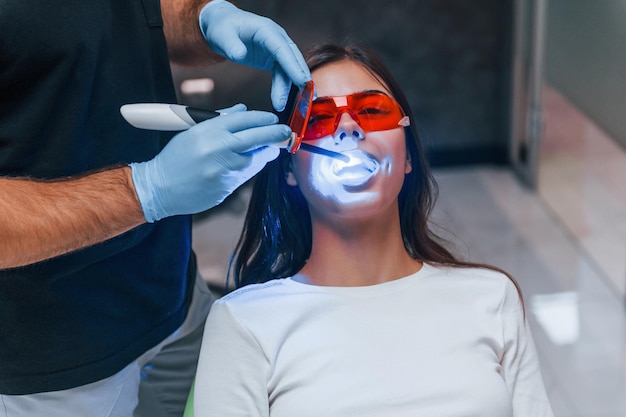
pixel 101 305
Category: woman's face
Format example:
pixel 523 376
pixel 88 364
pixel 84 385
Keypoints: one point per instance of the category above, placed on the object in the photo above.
pixel 371 181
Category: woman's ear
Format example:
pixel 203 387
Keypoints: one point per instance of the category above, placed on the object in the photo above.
pixel 408 167
pixel 290 179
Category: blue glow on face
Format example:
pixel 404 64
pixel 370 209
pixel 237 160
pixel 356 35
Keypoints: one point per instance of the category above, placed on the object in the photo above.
pixel 343 182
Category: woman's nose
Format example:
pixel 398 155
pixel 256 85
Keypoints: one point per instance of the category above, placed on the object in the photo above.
pixel 348 128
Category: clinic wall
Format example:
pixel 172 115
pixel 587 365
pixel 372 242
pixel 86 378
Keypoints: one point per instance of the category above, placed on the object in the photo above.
pixel 586 59
pixel 450 56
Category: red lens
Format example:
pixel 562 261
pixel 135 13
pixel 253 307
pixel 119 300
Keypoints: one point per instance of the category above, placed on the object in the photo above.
pixel 300 115
pixel 372 111
pixel 322 119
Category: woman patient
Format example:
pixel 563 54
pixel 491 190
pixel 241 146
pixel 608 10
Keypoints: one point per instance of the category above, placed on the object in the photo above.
pixel 350 305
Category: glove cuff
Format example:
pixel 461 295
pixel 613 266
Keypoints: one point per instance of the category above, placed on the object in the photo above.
pixel 203 21
pixel 142 179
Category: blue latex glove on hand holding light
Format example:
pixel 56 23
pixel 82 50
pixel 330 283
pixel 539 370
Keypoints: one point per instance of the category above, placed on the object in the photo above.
pixel 201 166
pixel 255 41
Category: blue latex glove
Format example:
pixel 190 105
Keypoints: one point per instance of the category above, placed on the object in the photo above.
pixel 201 166
pixel 256 41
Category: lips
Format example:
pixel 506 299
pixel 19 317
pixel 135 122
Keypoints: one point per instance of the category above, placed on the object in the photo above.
pixel 358 170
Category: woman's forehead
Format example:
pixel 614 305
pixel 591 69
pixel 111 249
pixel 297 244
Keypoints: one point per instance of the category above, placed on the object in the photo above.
pixel 343 78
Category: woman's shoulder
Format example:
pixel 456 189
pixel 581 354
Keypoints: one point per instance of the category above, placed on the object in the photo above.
pixel 251 301
pixel 470 272
pixel 254 291
pixel 479 285
pixel 477 277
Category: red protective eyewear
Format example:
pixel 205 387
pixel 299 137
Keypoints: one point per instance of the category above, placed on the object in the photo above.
pixel 373 111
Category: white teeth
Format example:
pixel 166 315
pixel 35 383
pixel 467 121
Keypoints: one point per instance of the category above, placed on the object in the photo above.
pixel 357 171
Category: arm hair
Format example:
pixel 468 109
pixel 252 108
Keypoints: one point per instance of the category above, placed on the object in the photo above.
pixel 43 219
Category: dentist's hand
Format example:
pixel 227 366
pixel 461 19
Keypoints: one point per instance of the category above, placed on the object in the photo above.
pixel 201 166
pixel 256 41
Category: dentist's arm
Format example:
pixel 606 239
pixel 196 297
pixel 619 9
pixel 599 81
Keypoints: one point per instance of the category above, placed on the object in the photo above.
pixel 43 219
pixel 194 172
pixel 185 44
pixel 238 35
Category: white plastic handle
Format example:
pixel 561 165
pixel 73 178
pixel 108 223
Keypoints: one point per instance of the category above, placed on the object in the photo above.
pixel 157 116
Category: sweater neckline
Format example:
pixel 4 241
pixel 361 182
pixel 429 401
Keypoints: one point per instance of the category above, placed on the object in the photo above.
pixel 393 285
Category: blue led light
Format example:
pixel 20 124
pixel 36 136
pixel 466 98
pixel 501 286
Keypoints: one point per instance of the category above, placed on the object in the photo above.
pixel 344 182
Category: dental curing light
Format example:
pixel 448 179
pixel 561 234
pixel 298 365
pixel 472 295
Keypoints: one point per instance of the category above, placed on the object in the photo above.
pixel 176 117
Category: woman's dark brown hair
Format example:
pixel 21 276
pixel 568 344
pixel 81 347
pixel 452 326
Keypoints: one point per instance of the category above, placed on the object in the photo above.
pixel 276 238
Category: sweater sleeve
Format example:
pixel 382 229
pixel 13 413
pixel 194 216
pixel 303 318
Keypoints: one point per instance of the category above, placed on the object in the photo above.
pixel 231 379
pixel 520 365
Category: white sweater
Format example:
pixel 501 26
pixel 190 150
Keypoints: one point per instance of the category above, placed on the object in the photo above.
pixel 441 342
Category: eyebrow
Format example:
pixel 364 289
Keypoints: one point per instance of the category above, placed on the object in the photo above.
pixel 358 92
pixel 369 91
pixel 375 91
